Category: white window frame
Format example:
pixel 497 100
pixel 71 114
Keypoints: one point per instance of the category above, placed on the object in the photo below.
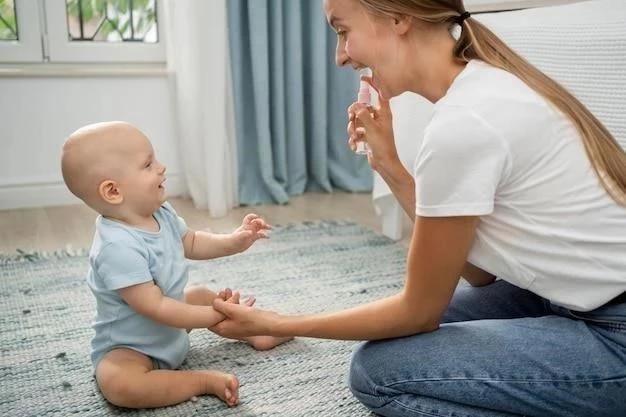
pixel 43 37
pixel 62 50
pixel 27 48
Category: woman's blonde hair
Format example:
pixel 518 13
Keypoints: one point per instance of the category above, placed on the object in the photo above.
pixel 478 42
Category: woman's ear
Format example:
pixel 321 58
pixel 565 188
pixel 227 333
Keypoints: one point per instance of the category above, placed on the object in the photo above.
pixel 109 191
pixel 402 24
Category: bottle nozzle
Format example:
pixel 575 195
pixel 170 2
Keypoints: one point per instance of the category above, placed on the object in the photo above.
pixel 365 95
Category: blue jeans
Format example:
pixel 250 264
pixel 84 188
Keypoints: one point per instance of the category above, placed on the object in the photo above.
pixel 501 351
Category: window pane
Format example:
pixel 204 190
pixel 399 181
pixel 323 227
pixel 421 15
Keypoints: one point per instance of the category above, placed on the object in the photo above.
pixel 8 23
pixel 112 20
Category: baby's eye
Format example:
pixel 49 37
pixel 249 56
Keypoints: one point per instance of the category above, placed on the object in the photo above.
pixel 149 164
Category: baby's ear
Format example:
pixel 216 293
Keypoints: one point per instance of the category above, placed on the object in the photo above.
pixel 109 191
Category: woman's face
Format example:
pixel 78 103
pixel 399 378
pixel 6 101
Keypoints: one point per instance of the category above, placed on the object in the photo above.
pixel 365 40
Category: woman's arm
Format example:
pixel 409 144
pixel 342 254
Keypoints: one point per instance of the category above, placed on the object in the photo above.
pixel 383 157
pixel 401 184
pixel 476 276
pixel 436 257
pixel 375 126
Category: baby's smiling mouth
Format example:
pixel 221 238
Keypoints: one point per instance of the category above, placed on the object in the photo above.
pixel 162 182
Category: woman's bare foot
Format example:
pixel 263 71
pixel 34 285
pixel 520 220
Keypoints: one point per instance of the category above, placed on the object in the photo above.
pixel 225 386
pixel 266 342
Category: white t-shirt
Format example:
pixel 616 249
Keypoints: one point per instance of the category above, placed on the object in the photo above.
pixel 496 149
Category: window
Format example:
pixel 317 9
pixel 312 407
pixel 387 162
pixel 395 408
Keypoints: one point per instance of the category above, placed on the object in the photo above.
pixel 20 38
pixel 104 30
pixel 64 31
pixel 8 23
pixel 112 21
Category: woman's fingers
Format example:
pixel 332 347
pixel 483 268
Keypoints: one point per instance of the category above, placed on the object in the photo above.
pixel 350 128
pixel 359 136
pixel 225 307
pixel 352 109
pixel 364 116
pixel 355 134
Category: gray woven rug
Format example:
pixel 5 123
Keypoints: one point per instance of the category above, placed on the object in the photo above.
pixel 46 308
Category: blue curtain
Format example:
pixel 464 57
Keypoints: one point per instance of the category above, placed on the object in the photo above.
pixel 290 102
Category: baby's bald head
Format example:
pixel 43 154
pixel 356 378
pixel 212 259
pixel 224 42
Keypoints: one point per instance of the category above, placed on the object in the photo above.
pixel 95 153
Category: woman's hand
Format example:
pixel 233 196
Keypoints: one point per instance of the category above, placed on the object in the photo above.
pixel 374 126
pixel 243 320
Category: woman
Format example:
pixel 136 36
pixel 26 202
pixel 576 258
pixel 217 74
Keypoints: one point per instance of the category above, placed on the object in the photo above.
pixel 515 179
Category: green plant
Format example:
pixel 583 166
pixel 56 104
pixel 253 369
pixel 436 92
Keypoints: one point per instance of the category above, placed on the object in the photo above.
pixel 112 18
pixel 8 23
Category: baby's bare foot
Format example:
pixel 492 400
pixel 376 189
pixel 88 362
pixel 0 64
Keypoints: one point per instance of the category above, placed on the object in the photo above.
pixel 225 386
pixel 267 342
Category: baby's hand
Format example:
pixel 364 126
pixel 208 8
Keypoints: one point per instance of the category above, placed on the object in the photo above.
pixel 252 229
pixel 234 297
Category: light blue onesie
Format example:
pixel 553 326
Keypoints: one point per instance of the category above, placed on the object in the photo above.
pixel 122 256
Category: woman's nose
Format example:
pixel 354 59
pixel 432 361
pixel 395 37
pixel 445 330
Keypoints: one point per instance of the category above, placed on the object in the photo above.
pixel 341 57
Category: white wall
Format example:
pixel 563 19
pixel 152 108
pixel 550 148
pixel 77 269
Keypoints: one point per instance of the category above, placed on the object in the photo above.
pixel 37 114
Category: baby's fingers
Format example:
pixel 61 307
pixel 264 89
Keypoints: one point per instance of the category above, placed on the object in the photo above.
pixel 249 218
pixel 225 294
pixel 234 299
pixel 259 223
pixel 261 235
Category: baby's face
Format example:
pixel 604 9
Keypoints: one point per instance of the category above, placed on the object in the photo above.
pixel 142 177
pixel 111 166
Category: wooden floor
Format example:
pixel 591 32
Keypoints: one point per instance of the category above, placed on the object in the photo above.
pixel 50 228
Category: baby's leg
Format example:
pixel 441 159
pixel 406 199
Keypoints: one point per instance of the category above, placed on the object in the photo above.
pixel 266 342
pixel 127 379
pixel 203 296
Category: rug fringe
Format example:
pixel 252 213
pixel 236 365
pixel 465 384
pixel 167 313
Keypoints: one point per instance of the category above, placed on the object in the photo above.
pixel 23 256
pixel 308 224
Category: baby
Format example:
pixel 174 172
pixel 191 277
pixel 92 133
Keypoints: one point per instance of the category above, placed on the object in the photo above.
pixel 138 272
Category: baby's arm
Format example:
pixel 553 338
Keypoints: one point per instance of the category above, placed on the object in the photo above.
pixel 201 245
pixel 204 245
pixel 148 300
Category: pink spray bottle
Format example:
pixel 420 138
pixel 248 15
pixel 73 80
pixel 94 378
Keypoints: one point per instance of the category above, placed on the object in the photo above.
pixel 365 97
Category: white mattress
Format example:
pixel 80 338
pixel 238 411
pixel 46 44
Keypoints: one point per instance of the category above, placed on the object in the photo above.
pixel 581 45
